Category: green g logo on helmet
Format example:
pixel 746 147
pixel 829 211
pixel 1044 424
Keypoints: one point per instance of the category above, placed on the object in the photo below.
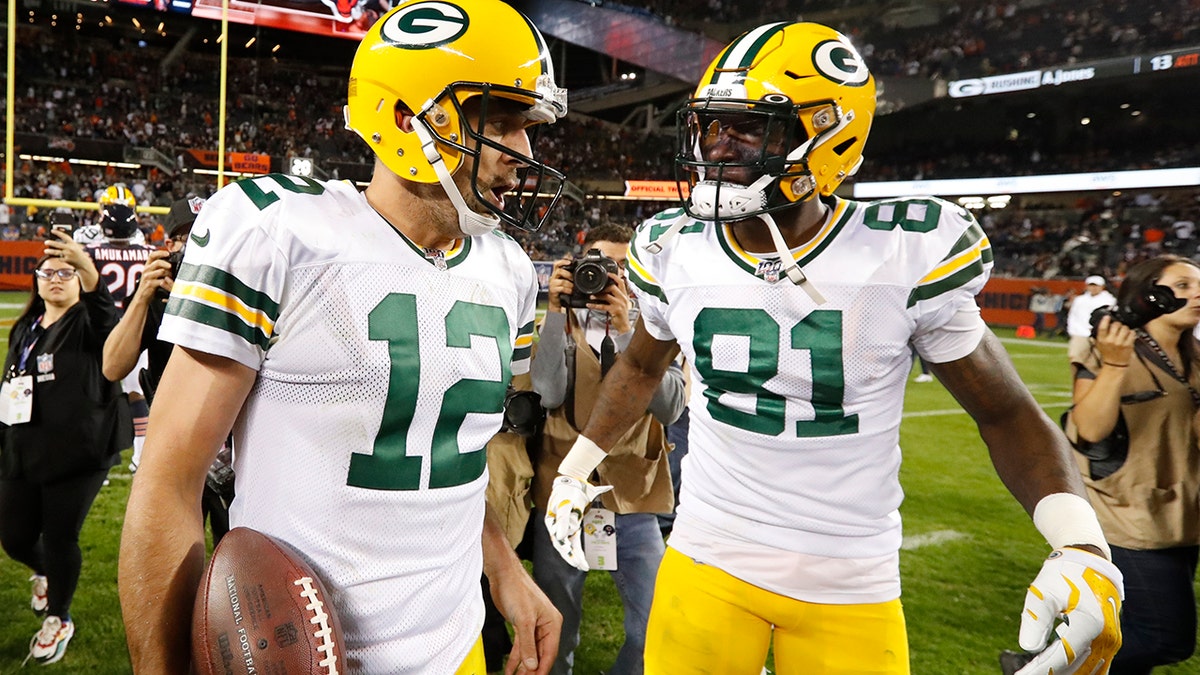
pixel 424 25
pixel 838 62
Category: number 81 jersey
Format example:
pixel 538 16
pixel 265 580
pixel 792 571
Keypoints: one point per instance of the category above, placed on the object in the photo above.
pixel 795 406
pixel 382 370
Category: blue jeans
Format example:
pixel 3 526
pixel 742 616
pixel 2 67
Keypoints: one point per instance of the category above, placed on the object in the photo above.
pixel 1158 618
pixel 640 549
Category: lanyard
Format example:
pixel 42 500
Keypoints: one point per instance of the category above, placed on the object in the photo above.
pixel 30 341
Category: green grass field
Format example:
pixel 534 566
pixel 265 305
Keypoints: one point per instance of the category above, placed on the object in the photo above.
pixel 970 550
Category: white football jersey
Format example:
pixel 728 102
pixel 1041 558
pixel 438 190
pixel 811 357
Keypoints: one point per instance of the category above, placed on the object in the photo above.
pixel 796 407
pixel 382 375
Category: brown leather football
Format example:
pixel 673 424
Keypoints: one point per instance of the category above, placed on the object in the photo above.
pixel 262 609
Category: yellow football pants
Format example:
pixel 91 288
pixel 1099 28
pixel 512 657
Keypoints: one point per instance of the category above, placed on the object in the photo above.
pixel 474 664
pixel 706 621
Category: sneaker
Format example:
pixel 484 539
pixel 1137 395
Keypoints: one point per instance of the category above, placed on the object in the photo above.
pixel 50 643
pixel 924 377
pixel 39 602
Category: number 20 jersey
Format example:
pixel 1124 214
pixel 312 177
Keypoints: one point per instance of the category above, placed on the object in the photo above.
pixel 381 377
pixel 796 407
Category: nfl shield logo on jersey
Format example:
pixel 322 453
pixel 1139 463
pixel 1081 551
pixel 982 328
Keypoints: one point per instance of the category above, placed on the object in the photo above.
pixel 45 363
pixel 769 270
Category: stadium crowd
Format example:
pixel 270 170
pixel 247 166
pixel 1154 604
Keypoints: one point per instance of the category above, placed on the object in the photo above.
pixel 970 38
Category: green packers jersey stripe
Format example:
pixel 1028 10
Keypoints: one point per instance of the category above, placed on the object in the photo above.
pixel 969 239
pixel 956 280
pixel 842 211
pixel 217 318
pixel 230 285
pixel 743 52
pixel 640 276
pixel 839 224
pixel 523 345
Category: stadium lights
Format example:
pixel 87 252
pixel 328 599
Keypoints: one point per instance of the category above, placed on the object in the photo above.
pixel 137 24
pixel 1085 121
pixel 88 162
pixel 274 49
pixel 250 42
pixel 998 201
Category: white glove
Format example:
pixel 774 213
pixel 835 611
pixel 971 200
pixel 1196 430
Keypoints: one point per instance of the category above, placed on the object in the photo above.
pixel 569 498
pixel 1085 591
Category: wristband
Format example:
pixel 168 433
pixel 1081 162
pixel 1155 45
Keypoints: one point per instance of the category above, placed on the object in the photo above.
pixel 582 460
pixel 1066 519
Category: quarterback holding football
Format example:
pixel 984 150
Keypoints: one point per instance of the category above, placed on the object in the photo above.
pixel 359 345
pixel 796 310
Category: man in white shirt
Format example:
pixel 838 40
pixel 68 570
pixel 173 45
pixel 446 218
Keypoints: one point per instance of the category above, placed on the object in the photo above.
pixel 1079 326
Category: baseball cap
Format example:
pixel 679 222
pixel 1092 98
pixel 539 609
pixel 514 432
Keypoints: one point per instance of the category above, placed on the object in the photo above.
pixel 182 214
pixel 1094 279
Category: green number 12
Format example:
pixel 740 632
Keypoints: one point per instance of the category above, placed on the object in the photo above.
pixel 389 467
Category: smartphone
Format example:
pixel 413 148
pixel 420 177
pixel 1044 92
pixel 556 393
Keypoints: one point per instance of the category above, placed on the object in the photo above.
pixel 64 222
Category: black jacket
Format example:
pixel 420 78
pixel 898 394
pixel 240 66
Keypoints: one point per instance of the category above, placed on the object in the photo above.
pixel 80 420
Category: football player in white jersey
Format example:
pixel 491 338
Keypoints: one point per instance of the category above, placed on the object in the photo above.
pixel 796 311
pixel 359 345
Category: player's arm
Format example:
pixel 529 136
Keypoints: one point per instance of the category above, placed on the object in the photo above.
pixel 124 343
pixel 536 623
pixel 623 399
pixel 1033 458
pixel 162 543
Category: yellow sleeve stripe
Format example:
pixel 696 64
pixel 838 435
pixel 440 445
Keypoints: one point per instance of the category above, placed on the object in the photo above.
pixel 226 302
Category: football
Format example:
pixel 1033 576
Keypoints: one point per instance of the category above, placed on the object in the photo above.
pixel 262 609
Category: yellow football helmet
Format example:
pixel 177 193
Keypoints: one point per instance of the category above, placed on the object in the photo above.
pixel 803 90
pixel 117 193
pixel 118 215
pixel 431 56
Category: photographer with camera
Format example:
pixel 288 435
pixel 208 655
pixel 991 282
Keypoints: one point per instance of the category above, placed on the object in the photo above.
pixel 137 331
pixel 589 321
pixel 1136 397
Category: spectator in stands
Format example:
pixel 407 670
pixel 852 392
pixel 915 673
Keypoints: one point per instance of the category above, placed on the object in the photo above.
pixel 1137 393
pixel 1079 327
pixel 65 425
pixel 577 345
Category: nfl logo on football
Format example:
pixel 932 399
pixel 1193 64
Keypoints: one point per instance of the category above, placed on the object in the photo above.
pixel 769 270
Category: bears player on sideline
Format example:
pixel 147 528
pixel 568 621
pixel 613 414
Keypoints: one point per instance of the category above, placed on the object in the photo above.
pixel 363 343
pixel 121 255
pixel 796 310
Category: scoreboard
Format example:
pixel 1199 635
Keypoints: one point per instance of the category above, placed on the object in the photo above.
pixel 1172 60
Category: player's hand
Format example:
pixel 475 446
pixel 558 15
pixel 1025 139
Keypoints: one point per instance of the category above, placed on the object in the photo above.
pixel 536 624
pixel 569 498
pixel 1085 591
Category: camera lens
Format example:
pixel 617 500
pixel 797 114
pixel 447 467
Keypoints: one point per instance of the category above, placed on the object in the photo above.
pixel 590 278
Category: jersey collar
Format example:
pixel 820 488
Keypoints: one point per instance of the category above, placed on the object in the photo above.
pixel 840 211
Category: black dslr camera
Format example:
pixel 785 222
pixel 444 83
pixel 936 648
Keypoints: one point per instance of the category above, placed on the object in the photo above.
pixel 523 412
pixel 1143 308
pixel 591 277
pixel 175 259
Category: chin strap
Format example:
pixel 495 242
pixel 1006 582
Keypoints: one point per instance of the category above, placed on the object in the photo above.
pixel 471 223
pixel 791 269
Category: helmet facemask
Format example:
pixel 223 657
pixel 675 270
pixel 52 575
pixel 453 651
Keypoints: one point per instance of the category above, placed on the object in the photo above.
pixel 774 177
pixel 447 134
